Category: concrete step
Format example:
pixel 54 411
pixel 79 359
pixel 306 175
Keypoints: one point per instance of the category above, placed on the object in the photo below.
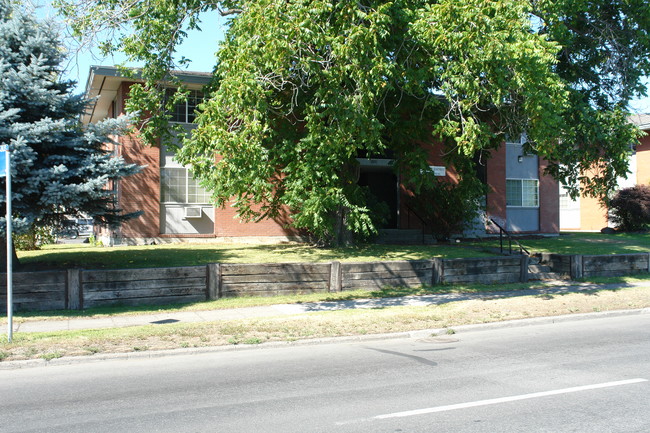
pixel 539 276
pixel 534 260
pixel 400 237
pixel 538 270
pixel 429 240
pixel 534 268
pixel 542 272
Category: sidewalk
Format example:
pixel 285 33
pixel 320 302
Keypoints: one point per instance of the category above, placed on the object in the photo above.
pixel 295 309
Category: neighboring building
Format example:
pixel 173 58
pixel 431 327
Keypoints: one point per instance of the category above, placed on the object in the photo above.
pixel 642 151
pixel 587 213
pixel 175 208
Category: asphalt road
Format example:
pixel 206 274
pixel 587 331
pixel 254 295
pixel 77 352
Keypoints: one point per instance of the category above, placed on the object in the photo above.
pixel 584 376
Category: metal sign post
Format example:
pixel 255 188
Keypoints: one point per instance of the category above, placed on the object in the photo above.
pixel 4 154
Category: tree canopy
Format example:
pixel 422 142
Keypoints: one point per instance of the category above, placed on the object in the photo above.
pixel 59 168
pixel 303 87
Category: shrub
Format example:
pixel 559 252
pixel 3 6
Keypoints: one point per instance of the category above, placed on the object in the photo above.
pixel 448 208
pixel 630 208
pixel 34 238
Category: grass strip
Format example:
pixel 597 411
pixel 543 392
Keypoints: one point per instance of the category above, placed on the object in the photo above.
pixel 316 325
pixel 257 301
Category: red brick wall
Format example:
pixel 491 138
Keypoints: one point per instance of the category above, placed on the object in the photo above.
pixel 496 179
pixel 549 201
pixel 227 224
pixel 436 157
pixel 140 192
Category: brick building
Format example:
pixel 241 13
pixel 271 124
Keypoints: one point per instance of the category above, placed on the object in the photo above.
pixel 587 213
pixel 175 208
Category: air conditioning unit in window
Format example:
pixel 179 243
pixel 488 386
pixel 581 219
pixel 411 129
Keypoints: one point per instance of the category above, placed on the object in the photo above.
pixel 192 212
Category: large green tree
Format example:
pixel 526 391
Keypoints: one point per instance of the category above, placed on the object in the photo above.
pixel 303 87
pixel 60 169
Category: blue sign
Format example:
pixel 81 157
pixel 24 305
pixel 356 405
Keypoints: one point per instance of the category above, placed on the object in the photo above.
pixel 3 161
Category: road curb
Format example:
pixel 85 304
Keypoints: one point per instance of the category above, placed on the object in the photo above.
pixel 418 334
pixel 548 320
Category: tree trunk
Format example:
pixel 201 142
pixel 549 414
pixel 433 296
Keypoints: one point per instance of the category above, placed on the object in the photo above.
pixel 342 235
pixel 3 256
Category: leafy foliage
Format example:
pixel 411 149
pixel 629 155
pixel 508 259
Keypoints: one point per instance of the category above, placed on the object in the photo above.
pixel 59 168
pixel 629 209
pixel 448 208
pixel 605 53
pixel 303 88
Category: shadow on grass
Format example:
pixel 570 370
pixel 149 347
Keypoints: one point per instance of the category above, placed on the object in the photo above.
pixel 112 310
pixel 149 256
pixel 123 258
pixel 442 296
pixel 596 285
pixel 395 292
pixel 552 294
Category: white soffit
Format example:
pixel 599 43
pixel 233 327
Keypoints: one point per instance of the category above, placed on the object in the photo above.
pixel 104 82
pixel 641 120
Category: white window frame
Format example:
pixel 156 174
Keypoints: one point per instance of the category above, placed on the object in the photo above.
pixel 536 206
pixel 197 95
pixel 186 194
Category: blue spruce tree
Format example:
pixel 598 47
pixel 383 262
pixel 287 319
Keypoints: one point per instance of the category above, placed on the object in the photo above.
pixel 60 168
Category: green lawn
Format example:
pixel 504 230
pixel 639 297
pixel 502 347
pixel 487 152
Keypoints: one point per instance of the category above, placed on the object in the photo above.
pixel 89 257
pixel 149 256
pixel 590 243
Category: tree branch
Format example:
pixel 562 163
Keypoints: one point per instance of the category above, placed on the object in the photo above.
pixel 227 12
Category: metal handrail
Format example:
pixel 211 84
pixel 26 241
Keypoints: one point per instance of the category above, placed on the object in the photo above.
pixel 410 210
pixel 423 223
pixel 522 249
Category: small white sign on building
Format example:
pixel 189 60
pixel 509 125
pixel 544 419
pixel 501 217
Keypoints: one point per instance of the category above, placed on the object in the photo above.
pixel 439 170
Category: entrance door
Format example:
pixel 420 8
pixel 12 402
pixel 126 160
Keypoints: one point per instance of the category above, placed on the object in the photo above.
pixel 383 185
pixel 569 211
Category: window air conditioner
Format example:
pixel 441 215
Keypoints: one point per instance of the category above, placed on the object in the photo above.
pixel 192 212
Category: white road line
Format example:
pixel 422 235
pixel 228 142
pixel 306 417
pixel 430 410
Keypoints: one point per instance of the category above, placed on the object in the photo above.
pixel 507 399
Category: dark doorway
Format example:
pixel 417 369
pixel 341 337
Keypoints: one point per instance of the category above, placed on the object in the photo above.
pixel 383 185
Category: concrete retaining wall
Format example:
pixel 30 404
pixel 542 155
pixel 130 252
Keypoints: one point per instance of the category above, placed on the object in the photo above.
pixel 583 266
pixel 491 270
pixel 36 290
pixel 79 289
pixel 272 279
pixel 143 286
pixel 375 275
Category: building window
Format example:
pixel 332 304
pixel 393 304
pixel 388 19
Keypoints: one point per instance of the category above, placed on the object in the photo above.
pixel 522 192
pixel 178 186
pixel 183 112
